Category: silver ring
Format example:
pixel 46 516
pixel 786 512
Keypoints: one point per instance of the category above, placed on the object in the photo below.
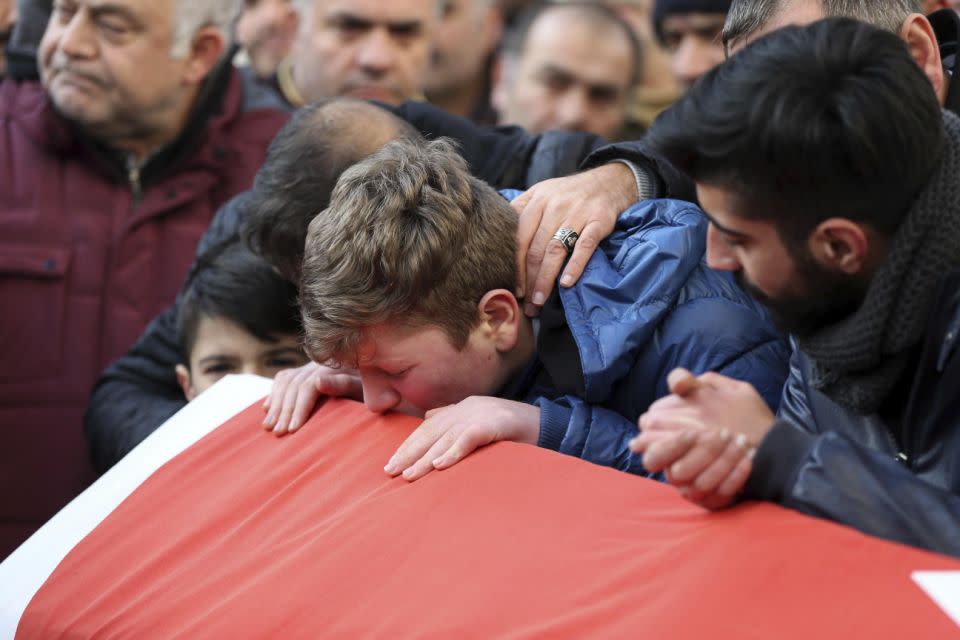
pixel 567 237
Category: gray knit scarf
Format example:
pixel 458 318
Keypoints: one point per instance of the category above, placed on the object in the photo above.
pixel 858 360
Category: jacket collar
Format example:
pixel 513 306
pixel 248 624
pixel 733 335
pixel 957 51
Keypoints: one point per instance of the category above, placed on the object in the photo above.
pixel 210 102
pixel 219 98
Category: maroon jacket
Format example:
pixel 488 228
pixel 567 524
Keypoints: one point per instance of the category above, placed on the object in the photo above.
pixel 88 255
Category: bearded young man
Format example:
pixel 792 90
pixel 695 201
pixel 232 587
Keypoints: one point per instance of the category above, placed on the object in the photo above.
pixel 834 195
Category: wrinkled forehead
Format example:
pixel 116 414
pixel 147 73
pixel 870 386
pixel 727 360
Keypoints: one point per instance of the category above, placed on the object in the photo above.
pixel 424 12
pixel 146 11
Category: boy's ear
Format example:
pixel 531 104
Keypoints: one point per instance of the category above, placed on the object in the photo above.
pixel 500 318
pixel 183 379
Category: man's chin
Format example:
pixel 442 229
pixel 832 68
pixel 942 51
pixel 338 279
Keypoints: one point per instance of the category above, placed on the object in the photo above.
pixel 380 94
pixel 78 108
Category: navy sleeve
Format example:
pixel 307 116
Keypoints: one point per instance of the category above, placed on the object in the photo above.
pixel 831 477
pixel 671 182
pixel 571 426
pixel 505 157
pixel 136 394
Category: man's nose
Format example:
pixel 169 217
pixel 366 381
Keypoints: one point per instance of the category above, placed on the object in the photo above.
pixel 377 53
pixel 720 256
pixel 573 110
pixel 77 38
pixel 693 58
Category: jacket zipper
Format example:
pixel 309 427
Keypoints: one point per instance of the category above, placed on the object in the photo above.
pixel 133 175
pixel 901 456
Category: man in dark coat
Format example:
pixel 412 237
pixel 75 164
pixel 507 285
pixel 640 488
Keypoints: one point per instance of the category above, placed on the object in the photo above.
pixel 834 195
pixel 111 171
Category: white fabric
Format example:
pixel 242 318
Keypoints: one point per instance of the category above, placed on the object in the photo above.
pixel 26 569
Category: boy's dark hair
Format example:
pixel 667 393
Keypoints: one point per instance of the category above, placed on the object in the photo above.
pixel 229 281
pixel 319 143
pixel 808 123
pixel 515 35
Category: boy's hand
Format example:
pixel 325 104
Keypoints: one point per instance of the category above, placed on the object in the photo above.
pixel 295 394
pixel 451 433
pixel 589 203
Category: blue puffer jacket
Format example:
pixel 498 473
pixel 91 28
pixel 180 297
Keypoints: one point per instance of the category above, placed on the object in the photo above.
pixel 647 303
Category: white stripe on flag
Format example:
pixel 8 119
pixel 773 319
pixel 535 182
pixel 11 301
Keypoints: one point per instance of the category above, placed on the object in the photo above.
pixel 26 569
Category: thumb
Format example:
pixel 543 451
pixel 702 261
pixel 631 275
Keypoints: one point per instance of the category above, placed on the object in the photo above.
pixel 681 382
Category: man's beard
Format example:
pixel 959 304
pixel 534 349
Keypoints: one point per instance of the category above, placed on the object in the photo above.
pixel 821 298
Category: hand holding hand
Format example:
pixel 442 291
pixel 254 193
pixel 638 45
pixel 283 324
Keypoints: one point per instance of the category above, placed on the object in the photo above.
pixel 451 433
pixel 295 394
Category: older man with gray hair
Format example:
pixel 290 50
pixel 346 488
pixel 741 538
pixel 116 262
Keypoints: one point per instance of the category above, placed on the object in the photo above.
pixel 112 169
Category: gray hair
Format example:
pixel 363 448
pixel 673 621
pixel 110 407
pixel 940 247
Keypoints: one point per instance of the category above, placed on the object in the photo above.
pixel 747 17
pixel 192 15
pixel 305 7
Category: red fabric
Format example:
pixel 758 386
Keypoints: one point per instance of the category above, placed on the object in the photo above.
pixel 245 535
pixel 81 274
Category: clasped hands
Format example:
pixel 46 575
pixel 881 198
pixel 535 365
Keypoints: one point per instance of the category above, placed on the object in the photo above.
pixel 704 436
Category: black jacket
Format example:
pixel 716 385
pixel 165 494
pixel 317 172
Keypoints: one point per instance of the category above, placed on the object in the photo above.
pixel 897 476
pixel 946 27
pixel 138 392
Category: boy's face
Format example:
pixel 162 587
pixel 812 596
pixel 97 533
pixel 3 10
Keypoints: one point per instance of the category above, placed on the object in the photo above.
pixel 223 346
pixel 413 370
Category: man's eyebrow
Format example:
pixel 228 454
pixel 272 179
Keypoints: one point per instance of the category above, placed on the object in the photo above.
pixel 554 70
pixel 723 229
pixel 404 25
pixel 346 18
pixel 116 10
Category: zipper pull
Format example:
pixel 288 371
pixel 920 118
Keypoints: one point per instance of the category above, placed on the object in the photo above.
pixel 133 175
pixel 903 459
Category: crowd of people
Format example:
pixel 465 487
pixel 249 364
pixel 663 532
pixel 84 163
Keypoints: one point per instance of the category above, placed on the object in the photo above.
pixel 712 242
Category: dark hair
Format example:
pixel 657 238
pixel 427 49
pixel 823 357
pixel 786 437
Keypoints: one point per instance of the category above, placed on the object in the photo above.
pixel 831 119
pixel 515 35
pixel 747 17
pixel 229 281
pixel 320 141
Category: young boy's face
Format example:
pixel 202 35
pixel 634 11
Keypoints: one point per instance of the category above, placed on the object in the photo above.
pixel 413 370
pixel 223 346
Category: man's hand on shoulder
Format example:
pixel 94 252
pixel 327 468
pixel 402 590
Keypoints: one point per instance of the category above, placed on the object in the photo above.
pixel 449 434
pixel 295 394
pixel 587 203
